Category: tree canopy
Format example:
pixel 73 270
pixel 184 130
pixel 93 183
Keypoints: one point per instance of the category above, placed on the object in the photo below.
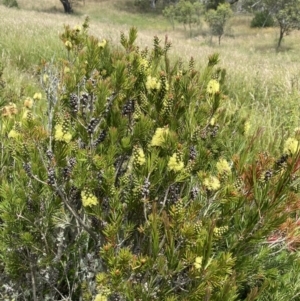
pixel 286 13
pixel 217 19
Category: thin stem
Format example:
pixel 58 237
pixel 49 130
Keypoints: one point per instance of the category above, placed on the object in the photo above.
pixel 70 208
pixel 164 201
pixel 33 282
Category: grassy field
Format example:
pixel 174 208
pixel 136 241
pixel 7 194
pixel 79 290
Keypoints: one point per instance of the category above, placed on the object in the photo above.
pixel 262 82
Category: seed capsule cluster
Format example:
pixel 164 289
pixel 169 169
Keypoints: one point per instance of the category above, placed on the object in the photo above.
pixel 67 170
pixel 49 155
pixel 218 232
pixel 109 103
pixel 97 223
pixel 281 162
pixel 145 188
pixel 163 86
pixel 174 193
pixel 268 175
pixel 74 103
pixel 74 197
pixel 143 101
pixel 51 176
pixel 105 204
pixel 179 205
pixel 167 105
pixel 84 98
pixel 100 138
pixel 27 168
pixel 213 130
pixel 193 152
pixel 194 192
pixel 128 108
pixel 92 125
pixel 239 184
pixel 30 205
pixel 115 297
pixel 137 112
pixel 198 226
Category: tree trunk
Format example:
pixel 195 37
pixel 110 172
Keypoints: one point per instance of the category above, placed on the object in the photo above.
pixel 67 6
pixel 280 37
pixel 153 4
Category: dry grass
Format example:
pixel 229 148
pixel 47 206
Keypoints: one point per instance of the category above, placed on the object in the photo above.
pixel 259 78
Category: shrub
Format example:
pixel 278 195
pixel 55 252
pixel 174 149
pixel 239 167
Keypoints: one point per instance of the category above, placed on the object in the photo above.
pixel 10 3
pixel 262 19
pixel 117 183
pixel 217 19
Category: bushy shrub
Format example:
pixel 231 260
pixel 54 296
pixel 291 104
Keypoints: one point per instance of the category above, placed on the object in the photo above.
pixel 217 19
pixel 10 3
pixel 117 183
pixel 185 12
pixel 262 19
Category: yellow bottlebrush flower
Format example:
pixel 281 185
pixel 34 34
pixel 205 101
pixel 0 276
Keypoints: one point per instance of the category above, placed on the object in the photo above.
pixel 102 44
pixel 212 183
pixel 144 63
pixel 139 156
pixel 45 78
pixel 247 127
pixel 213 87
pixel 159 137
pixel 291 146
pixel 77 28
pixel 68 45
pixel 167 86
pixel 28 102
pixel 223 166
pixel 212 121
pixel 179 73
pixel 60 135
pixel 66 70
pixel 58 132
pixel 88 199
pixel 198 262
pixel 218 232
pixel 26 114
pixel 67 137
pixel 152 83
pixel 37 96
pixel 100 297
pixel 13 134
pixel 175 164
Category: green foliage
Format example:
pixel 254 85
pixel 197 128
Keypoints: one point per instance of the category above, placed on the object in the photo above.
pixel 170 13
pixel 213 4
pixel 285 268
pixel 10 3
pixel 153 5
pixel 286 13
pixel 262 19
pixel 253 5
pixel 217 19
pixel 117 183
pixel 185 12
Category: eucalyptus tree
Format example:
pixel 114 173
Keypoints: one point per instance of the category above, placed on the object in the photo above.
pixel 287 15
pixel 217 19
